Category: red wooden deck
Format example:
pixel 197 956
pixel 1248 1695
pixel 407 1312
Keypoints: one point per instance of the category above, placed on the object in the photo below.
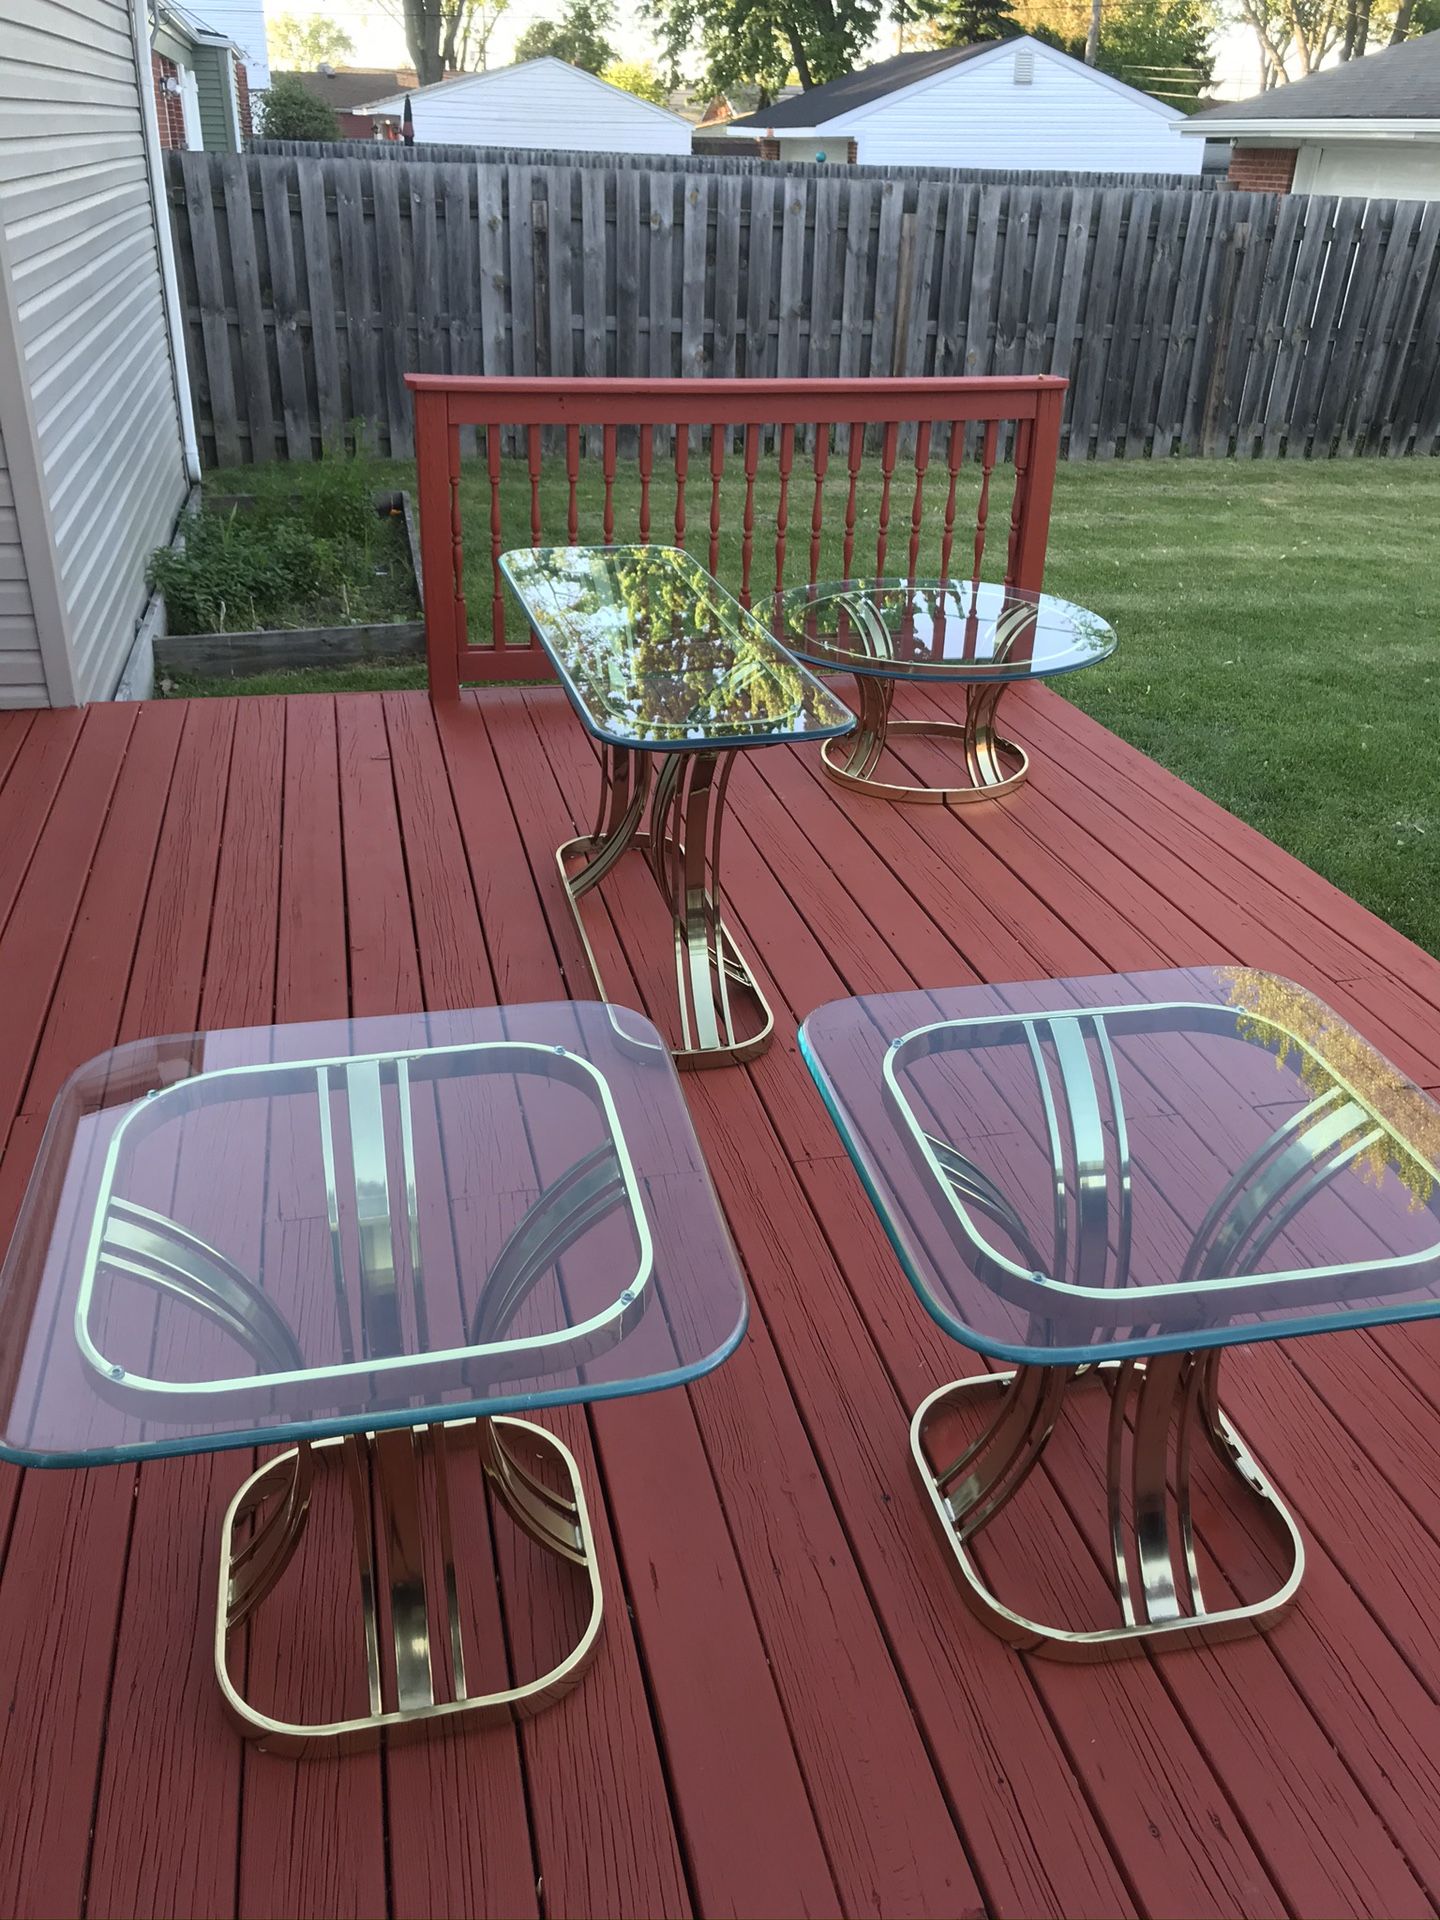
pixel 791 1712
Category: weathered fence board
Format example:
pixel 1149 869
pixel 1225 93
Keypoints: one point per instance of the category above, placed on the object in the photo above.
pixel 434 151
pixel 1216 323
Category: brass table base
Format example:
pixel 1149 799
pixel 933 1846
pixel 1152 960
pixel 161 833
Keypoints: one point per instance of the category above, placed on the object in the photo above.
pixel 993 764
pixel 265 1523
pixel 681 846
pixel 1156 1406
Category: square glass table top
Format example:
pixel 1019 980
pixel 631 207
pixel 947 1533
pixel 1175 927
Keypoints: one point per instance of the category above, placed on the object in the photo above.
pixel 654 653
pixel 1130 1164
pixel 283 1232
pixel 939 630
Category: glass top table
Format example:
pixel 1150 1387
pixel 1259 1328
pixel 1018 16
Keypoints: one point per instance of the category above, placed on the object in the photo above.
pixel 1121 1177
pixel 375 1240
pixel 664 668
pixel 978 634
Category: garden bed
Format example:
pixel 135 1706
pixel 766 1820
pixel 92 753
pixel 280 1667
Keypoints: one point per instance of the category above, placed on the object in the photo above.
pixel 336 554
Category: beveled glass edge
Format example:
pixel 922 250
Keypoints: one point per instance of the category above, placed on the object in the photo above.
pixel 890 669
pixel 1017 1353
pixel 228 1441
pixel 692 743
pixel 418 1363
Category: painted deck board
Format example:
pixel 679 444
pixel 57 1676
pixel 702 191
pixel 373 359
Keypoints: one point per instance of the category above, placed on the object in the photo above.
pixel 791 1712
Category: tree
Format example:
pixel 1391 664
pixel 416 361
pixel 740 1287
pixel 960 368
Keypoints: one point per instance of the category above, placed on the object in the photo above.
pixel 446 36
pixel 1160 46
pixel 290 113
pixel 471 45
pixel 301 44
pixel 960 23
pixel 580 36
pixel 760 43
pixel 638 77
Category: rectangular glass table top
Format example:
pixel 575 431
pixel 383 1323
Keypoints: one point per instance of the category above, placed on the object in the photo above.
pixel 338 1227
pixel 1130 1164
pixel 654 653
pixel 939 630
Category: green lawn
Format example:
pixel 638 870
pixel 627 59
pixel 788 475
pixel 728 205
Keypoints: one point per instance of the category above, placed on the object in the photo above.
pixel 1279 632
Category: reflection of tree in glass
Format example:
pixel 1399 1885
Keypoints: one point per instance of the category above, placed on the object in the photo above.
pixel 694 660
pixel 1288 1021
pixel 655 646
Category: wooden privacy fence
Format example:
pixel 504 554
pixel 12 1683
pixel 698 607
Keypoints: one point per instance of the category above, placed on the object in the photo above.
pixel 1185 322
pixel 441 152
pixel 822 420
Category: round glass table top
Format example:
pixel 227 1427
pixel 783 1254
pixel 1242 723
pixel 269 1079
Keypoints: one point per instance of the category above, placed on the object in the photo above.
pixel 1072 1170
pixel 284 1232
pixel 938 630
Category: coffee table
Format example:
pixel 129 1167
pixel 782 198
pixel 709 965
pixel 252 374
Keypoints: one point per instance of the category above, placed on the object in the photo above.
pixel 377 1242
pixel 982 636
pixel 668 673
pixel 1116 1179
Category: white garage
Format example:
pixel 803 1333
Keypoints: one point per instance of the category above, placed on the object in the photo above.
pixel 541 103
pixel 1006 103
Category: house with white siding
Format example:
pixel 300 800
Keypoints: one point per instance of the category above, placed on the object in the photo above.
pixel 1004 103
pixel 97 445
pixel 543 103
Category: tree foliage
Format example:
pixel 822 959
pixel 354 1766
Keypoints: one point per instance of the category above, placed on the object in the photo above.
pixel 1160 46
pixel 729 43
pixel 300 43
pixel 580 36
pixel 638 77
pixel 961 23
pixel 290 113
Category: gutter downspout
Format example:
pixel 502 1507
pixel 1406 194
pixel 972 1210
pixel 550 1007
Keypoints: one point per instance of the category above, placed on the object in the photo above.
pixel 179 366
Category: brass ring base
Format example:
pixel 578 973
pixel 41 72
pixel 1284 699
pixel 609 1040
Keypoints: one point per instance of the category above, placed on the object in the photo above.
pixel 403 1693
pixel 1155 1569
pixel 931 796
pixel 993 765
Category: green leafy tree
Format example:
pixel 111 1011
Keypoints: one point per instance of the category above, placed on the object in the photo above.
pixel 961 23
pixel 761 42
pixel 302 43
pixel 1160 46
pixel 580 36
pixel 638 77
pixel 290 113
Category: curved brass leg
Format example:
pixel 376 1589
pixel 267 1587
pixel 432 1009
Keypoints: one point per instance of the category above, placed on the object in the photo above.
pixel 1156 1574
pixel 556 1520
pixel 682 847
pixel 994 765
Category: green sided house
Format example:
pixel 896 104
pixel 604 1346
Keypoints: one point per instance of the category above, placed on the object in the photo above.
pixel 202 88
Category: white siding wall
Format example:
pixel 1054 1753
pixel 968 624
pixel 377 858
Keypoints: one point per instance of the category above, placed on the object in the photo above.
pixel 78 243
pixel 544 103
pixel 22 679
pixel 1370 169
pixel 975 115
